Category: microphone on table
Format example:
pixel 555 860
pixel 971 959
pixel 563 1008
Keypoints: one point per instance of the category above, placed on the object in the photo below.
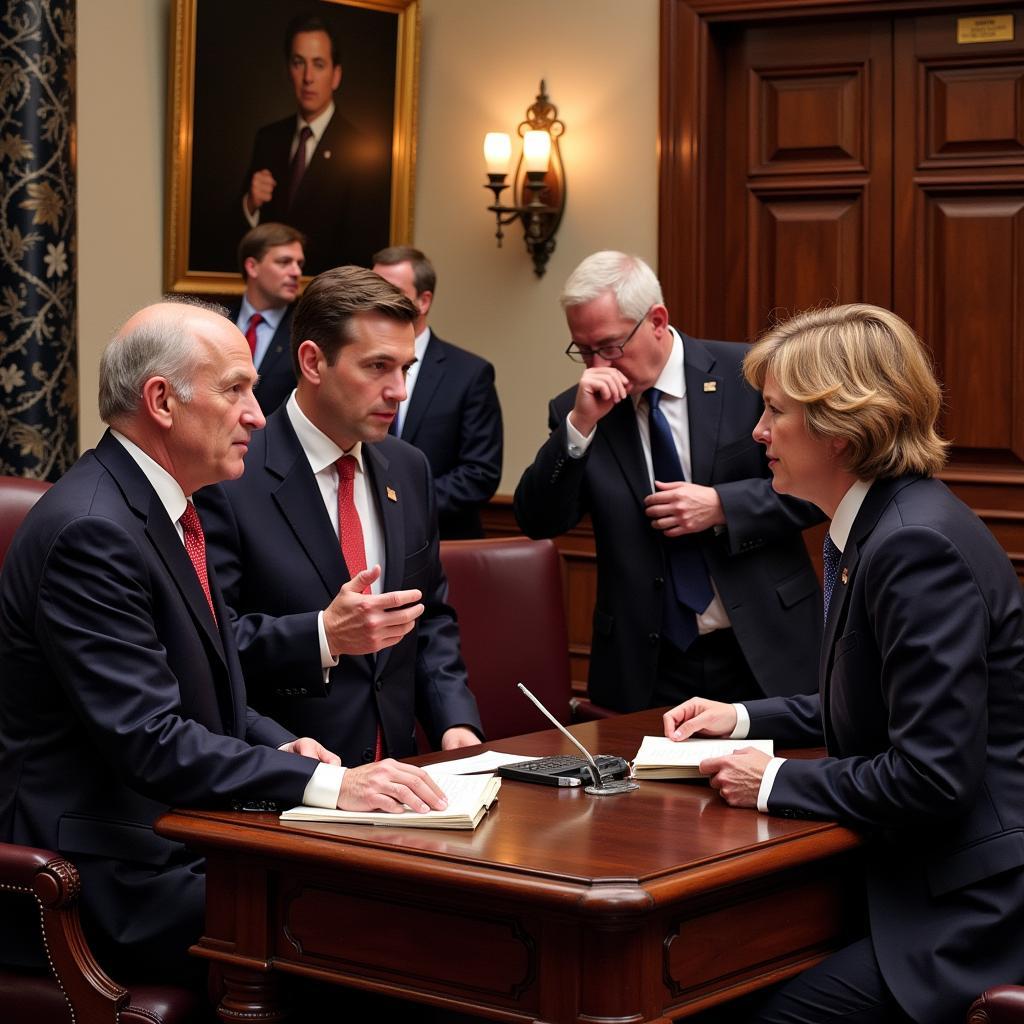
pixel 601 785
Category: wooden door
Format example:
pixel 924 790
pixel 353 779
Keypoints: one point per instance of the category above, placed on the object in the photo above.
pixel 808 169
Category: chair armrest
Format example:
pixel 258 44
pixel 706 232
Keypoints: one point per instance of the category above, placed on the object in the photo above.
pixel 584 711
pixel 47 875
pixel 54 882
pixel 1002 1004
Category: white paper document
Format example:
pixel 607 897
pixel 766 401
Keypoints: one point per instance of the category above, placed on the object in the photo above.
pixel 662 758
pixel 469 797
pixel 485 762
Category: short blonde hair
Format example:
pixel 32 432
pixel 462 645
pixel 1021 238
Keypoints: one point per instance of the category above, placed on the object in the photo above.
pixel 862 375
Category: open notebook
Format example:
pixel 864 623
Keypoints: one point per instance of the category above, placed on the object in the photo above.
pixel 469 797
pixel 662 758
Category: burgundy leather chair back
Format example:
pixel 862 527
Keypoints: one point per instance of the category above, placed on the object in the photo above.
pixel 507 593
pixel 17 496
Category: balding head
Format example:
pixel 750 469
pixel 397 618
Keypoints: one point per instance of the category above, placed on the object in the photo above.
pixel 163 340
pixel 177 380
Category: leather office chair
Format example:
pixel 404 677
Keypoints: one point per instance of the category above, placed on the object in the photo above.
pixel 507 593
pixel 1002 1004
pixel 17 496
pixel 75 987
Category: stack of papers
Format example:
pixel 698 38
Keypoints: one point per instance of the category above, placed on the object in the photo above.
pixel 469 797
pixel 662 758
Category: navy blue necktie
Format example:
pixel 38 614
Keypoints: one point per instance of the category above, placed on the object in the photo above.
pixel 690 592
pixel 831 556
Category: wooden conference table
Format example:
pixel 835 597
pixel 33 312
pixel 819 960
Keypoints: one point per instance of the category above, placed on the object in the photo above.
pixel 560 907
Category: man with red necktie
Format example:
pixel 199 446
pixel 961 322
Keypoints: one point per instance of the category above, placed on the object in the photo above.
pixel 121 693
pixel 270 258
pixel 331 506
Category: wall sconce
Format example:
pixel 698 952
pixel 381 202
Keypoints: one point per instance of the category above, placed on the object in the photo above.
pixel 538 182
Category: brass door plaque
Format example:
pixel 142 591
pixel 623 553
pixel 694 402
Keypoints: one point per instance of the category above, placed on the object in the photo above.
pixel 995 28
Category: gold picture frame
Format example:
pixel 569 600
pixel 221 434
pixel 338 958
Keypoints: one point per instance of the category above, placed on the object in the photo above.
pixel 228 55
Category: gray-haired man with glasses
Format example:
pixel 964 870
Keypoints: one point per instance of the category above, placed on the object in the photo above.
pixel 703 577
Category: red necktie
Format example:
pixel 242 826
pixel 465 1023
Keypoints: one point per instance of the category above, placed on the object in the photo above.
pixel 350 531
pixel 250 332
pixel 298 167
pixel 195 545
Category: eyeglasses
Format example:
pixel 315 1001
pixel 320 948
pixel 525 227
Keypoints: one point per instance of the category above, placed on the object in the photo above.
pixel 581 353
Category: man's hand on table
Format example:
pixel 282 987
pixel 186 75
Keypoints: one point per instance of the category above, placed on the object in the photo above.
pixel 390 786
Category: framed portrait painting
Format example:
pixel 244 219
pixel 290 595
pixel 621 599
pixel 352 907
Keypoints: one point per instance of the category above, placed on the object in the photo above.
pixel 292 111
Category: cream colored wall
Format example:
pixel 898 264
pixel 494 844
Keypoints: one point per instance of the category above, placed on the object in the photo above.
pixel 481 62
pixel 122 60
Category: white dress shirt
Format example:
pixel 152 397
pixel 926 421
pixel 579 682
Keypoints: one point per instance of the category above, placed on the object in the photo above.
pixel 422 340
pixel 839 531
pixel 672 385
pixel 325 784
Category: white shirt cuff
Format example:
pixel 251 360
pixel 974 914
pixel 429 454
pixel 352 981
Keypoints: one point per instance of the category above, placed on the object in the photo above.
pixel 767 781
pixel 324 788
pixel 252 218
pixel 742 730
pixel 578 444
pixel 327 660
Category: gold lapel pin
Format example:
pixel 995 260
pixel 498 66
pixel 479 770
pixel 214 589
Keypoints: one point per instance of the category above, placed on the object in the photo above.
pixel 845 576
pixel 327 154
pixel 393 496
pixel 711 385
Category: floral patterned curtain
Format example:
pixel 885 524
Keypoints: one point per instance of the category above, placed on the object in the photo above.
pixel 38 316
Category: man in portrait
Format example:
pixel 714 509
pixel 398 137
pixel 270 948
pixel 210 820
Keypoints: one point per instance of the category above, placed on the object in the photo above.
pixel 316 170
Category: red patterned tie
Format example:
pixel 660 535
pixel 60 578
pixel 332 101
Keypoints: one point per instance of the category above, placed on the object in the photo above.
pixel 350 530
pixel 195 545
pixel 250 332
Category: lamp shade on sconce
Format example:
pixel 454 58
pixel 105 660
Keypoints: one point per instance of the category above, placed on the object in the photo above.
pixel 497 152
pixel 536 151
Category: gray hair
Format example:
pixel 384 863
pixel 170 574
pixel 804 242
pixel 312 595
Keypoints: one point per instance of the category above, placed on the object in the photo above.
pixel 632 282
pixel 162 346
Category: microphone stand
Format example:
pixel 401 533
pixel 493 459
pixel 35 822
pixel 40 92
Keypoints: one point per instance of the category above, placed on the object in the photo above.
pixel 600 787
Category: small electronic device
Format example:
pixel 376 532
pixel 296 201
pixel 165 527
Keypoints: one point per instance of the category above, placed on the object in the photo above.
pixel 603 780
pixel 565 770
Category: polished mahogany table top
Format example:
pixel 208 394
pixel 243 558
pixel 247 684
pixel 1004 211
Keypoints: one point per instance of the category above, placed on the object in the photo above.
pixel 544 860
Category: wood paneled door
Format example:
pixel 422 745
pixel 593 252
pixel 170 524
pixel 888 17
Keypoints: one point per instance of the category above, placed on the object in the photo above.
pixel 853 151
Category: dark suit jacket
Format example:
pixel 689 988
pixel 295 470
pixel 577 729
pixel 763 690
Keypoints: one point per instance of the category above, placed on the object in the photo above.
pixel 759 562
pixel 454 418
pixel 279 562
pixel 920 704
pixel 343 203
pixel 277 377
pixel 119 697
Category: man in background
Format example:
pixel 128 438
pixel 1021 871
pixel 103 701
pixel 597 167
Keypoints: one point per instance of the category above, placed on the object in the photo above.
pixel 703 580
pixel 451 412
pixel 327 548
pixel 316 170
pixel 121 692
pixel 271 259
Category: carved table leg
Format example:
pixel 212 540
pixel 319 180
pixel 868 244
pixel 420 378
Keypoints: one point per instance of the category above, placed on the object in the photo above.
pixel 251 997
